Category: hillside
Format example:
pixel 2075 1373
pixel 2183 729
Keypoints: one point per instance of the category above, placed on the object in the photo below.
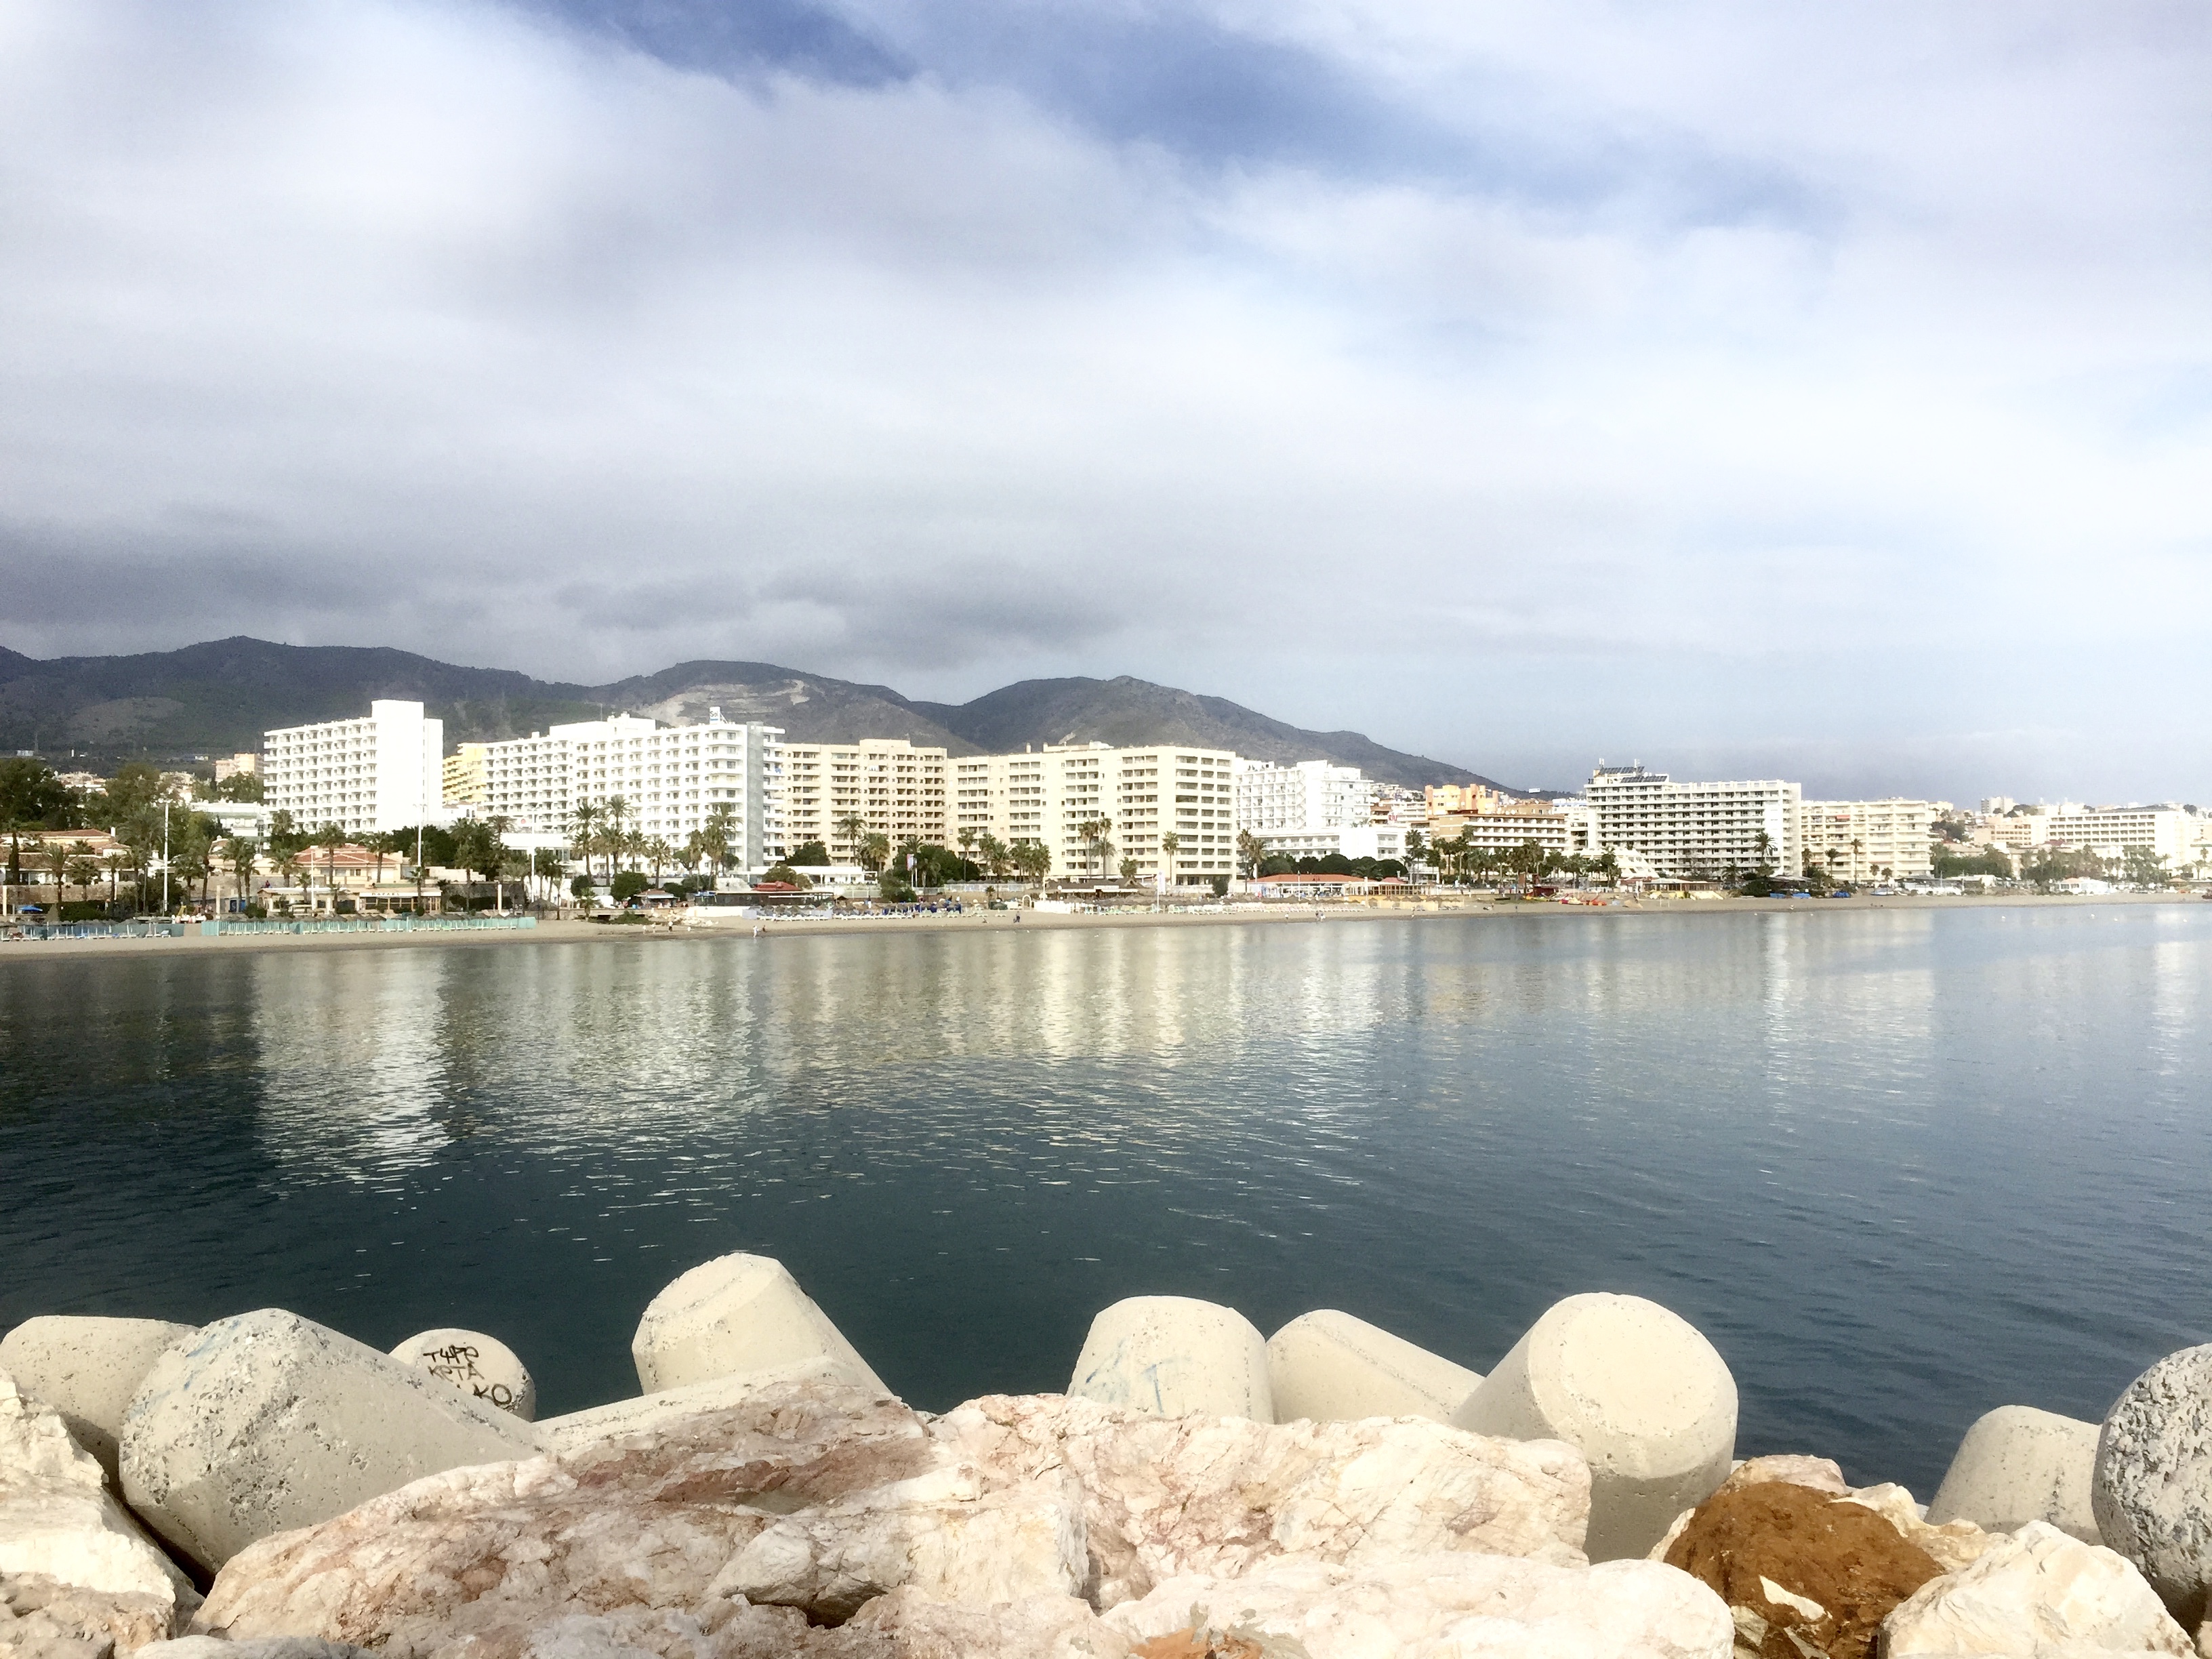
pixel 213 698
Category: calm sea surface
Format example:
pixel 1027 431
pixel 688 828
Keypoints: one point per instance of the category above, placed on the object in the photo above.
pixel 1900 1166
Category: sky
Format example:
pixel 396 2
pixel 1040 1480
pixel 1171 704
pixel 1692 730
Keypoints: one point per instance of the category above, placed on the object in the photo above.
pixel 1821 391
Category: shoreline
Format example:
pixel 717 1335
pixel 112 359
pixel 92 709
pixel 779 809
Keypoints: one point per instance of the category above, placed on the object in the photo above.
pixel 577 932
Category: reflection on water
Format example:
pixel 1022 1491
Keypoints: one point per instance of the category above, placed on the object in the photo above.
pixel 1903 1166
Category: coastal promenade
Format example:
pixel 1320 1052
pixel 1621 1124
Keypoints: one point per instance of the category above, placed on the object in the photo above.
pixel 743 931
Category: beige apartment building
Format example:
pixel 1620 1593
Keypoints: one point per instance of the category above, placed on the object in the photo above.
pixel 466 780
pixel 1143 792
pixel 1867 840
pixel 888 784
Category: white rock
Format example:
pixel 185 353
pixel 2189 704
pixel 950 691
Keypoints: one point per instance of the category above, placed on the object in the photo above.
pixel 2151 1490
pixel 1173 1356
pixel 1214 1495
pixel 2037 1594
pixel 1330 1367
pixel 954 1534
pixel 2018 1464
pixel 732 1316
pixel 87 1368
pixel 268 1421
pixel 1951 1546
pixel 59 1524
pixel 262 1647
pixel 1444 1606
pixel 648 1413
pixel 1637 1391
pixel 1035 1627
pixel 483 1367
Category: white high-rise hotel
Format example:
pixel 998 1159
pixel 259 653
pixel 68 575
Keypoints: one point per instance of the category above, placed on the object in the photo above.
pixel 1693 831
pixel 366 776
pixel 670 779
pixel 1143 794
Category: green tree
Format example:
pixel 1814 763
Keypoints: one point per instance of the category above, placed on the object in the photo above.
pixel 1171 843
pixel 850 827
pixel 1416 845
pixel 1033 860
pixel 1094 831
pixel 83 866
pixel 813 853
pixel 627 885
pixel 717 835
pixel 240 786
pixel 872 851
pixel 547 865
pixel 658 854
pixel 241 853
pixel 2145 869
pixel 1127 870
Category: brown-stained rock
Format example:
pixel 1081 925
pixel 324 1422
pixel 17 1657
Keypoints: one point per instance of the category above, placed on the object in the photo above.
pixel 1805 1575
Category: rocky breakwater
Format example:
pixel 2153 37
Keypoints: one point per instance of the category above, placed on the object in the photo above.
pixel 1199 1492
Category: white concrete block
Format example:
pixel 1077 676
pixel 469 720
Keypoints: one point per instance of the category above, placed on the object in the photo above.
pixel 268 1421
pixel 2017 1465
pixel 730 1317
pixel 1637 1391
pixel 1174 1356
pixel 87 1369
pixel 1331 1367
pixel 483 1367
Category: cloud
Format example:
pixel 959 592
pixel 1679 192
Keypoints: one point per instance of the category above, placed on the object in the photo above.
pixel 1521 385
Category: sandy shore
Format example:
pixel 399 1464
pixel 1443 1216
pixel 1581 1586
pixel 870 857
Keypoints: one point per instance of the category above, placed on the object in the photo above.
pixel 25 951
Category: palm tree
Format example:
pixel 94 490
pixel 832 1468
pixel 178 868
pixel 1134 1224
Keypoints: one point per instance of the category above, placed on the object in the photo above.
pixel 659 854
pixel 996 857
pixel 1094 831
pixel 618 838
pixel 967 839
pixel 330 838
pixel 873 851
pixel 1034 860
pixel 1170 844
pixel 1857 847
pixel 83 865
pixel 583 831
pixel 850 827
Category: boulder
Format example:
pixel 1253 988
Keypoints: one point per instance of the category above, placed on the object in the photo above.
pixel 822 1503
pixel 2038 1594
pixel 2017 1465
pixel 1173 1356
pixel 87 1368
pixel 647 1520
pixel 267 1647
pixel 1804 1575
pixel 1331 1367
pixel 1165 1496
pixel 1796 1469
pixel 268 1421
pixel 909 1626
pixel 1638 1392
pixel 74 1565
pixel 2151 1489
pixel 648 1413
pixel 483 1367
pixel 1467 1606
pixel 732 1316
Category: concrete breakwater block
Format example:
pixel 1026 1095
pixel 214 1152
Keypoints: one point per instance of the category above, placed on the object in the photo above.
pixel 1331 1367
pixel 1175 1356
pixel 87 1369
pixel 267 1421
pixel 1637 1391
pixel 731 1317
pixel 483 1367
pixel 2017 1465
pixel 654 1411
pixel 2152 1486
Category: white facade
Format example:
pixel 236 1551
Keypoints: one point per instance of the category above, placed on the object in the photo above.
pixel 1502 832
pixel 670 779
pixel 2169 831
pixel 1866 840
pixel 1314 794
pixel 1144 792
pixel 366 776
pixel 1697 832
pixel 890 784
pixel 1354 840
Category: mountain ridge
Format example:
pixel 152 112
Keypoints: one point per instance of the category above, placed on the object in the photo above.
pixel 220 695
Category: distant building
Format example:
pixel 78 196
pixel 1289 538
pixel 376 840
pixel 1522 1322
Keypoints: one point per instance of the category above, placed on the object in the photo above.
pixel 1442 798
pixel 2169 830
pixel 365 775
pixel 1694 831
pixel 893 787
pixel 464 781
pixel 1866 840
pixel 1305 795
pixel 1143 792
pixel 1555 829
pixel 245 763
pixel 669 780
pixel 1353 840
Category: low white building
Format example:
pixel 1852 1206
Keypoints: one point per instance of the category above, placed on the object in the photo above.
pixel 1353 840
pixel 365 775
pixel 669 780
pixel 1697 830
pixel 1867 840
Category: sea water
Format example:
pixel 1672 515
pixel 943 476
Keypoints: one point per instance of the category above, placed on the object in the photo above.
pixel 1900 1166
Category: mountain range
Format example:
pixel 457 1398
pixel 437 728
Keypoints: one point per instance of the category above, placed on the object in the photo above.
pixel 218 697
